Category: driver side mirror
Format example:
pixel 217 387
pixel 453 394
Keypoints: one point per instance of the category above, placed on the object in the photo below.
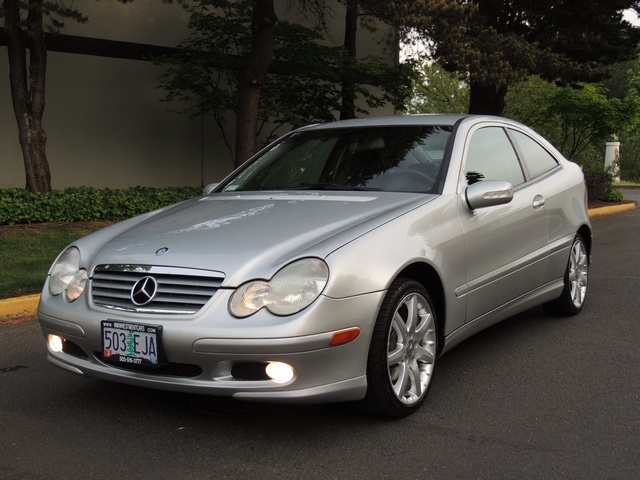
pixel 488 193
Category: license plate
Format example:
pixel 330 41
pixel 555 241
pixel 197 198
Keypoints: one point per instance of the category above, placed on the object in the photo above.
pixel 131 343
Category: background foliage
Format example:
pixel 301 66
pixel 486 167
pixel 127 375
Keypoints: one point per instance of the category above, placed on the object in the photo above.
pixel 578 119
pixel 436 90
pixel 304 82
pixel 75 204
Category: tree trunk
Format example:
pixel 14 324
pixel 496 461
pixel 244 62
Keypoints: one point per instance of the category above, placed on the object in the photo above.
pixel 487 99
pixel 348 108
pixel 28 89
pixel 252 76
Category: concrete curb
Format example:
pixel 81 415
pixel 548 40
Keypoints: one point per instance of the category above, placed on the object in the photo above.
pixel 596 212
pixel 20 306
pixel 27 306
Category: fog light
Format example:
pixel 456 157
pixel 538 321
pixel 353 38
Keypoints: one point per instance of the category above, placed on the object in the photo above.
pixel 279 372
pixel 55 343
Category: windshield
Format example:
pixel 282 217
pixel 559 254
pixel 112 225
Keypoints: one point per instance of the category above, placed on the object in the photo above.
pixel 394 159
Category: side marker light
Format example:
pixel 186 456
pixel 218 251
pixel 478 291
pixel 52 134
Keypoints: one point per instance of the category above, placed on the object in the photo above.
pixel 344 336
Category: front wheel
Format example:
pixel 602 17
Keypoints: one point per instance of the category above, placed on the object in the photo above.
pixel 576 276
pixel 402 352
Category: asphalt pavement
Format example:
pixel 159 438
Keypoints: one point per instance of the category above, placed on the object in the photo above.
pixel 534 397
pixel 631 193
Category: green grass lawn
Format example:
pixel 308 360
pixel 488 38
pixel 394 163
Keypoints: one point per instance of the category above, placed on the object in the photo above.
pixel 27 252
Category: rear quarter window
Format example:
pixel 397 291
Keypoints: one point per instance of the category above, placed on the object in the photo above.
pixel 537 160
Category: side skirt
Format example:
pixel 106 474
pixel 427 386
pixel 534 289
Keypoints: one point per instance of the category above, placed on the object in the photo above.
pixel 543 294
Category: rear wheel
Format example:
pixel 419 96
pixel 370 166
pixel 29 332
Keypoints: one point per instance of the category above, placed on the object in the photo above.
pixel 402 352
pixel 576 277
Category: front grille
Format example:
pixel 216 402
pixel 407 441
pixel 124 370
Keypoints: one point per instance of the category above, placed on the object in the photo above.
pixel 183 370
pixel 179 291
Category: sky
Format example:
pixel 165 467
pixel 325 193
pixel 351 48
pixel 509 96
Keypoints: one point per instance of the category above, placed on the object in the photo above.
pixel 631 17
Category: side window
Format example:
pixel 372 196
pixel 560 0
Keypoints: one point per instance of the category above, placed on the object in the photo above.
pixel 536 158
pixel 492 157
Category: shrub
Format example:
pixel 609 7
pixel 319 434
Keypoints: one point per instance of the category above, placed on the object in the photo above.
pixel 598 181
pixel 75 204
pixel 614 195
pixel 599 178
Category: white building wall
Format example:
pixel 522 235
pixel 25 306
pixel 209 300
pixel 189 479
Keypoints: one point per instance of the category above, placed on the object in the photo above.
pixel 105 123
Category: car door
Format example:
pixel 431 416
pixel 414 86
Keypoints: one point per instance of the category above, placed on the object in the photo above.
pixel 543 168
pixel 506 245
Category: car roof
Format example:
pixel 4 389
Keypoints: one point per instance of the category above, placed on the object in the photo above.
pixel 391 120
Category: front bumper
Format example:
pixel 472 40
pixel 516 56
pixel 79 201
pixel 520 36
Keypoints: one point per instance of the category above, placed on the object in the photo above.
pixel 201 361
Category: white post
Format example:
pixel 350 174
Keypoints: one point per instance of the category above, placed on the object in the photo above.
pixel 611 156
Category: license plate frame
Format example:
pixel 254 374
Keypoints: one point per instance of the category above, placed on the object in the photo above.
pixel 132 344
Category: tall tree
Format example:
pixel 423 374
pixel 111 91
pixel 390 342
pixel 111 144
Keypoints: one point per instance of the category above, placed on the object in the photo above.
pixel 570 41
pixel 495 43
pixel 24 27
pixel 252 77
pixel 348 107
pixel 302 84
pixel 317 11
pixel 26 23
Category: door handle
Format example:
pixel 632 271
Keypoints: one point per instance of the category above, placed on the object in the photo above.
pixel 538 201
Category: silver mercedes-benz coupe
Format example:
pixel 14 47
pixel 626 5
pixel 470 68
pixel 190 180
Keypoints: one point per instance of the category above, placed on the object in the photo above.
pixel 337 264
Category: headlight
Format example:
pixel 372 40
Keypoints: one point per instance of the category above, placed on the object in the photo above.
pixel 67 276
pixel 292 289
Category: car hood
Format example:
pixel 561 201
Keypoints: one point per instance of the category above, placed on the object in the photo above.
pixel 251 235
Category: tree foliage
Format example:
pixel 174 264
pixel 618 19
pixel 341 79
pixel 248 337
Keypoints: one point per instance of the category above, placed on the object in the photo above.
pixel 574 118
pixel 497 43
pixel 437 91
pixel 625 85
pixel 588 116
pixel 304 80
pixel 579 120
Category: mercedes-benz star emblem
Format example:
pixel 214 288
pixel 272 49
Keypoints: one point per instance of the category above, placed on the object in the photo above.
pixel 144 290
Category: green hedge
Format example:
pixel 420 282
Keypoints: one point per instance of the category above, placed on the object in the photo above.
pixel 77 204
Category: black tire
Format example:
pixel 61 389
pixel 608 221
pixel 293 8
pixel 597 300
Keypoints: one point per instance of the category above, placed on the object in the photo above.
pixel 402 352
pixel 576 276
